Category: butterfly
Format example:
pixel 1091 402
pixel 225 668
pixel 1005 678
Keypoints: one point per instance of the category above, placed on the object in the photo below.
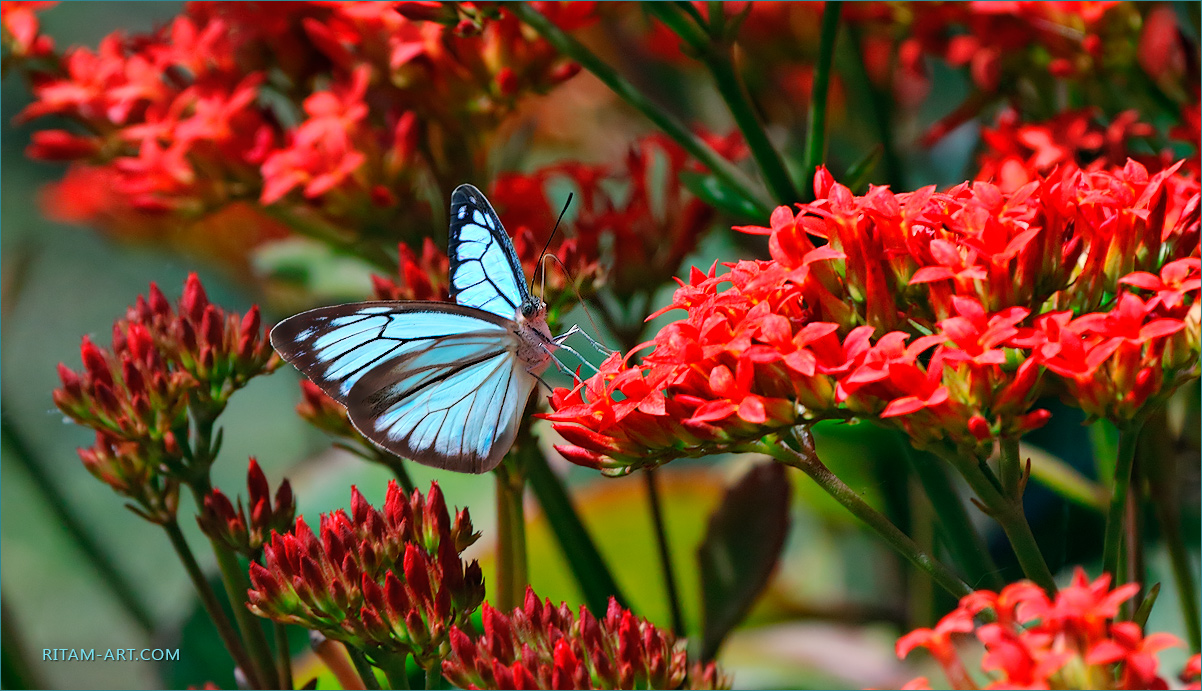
pixel 442 384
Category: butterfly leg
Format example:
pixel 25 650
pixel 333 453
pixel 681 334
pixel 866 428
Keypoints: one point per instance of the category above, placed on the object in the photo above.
pixel 580 357
pixel 577 330
pixel 562 367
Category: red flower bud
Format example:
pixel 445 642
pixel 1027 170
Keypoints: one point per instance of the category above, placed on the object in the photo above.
pixel 194 301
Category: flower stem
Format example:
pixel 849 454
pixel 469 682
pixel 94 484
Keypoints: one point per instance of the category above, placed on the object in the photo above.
pixel 434 676
pixel 963 540
pixel 18 450
pixel 236 585
pixel 722 169
pixel 807 461
pixel 882 114
pixel 511 539
pixel 1009 514
pixel 1161 469
pixel 208 599
pixel 284 656
pixel 396 672
pixel 366 673
pixel 588 566
pixel 815 151
pixel 1011 468
pixel 717 55
pixel 665 553
pixel 1115 517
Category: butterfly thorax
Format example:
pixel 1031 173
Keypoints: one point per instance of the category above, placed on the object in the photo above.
pixel 534 337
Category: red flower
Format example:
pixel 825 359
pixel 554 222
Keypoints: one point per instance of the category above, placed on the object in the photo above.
pixel 1070 641
pixel 387 582
pixel 166 368
pixel 540 646
pixel 19 29
pixel 242 532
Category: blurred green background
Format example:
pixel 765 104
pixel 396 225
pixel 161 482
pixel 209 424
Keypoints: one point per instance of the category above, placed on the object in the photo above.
pixel 829 618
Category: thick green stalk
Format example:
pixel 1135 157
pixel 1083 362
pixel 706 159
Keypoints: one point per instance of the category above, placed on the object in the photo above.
pixel 815 151
pixel 19 451
pixel 963 541
pixel 208 599
pixel 588 566
pixel 395 671
pixel 717 55
pixel 434 676
pixel 1010 468
pixel 236 585
pixel 809 464
pixel 1116 515
pixel 881 111
pixel 722 169
pixel 283 656
pixel 364 668
pixel 1009 514
pixel 1160 463
pixel 665 552
pixel 511 539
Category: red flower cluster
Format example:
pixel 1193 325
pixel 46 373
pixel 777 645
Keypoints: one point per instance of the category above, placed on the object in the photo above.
pixel 1192 674
pixel 137 396
pixel 540 646
pixel 221 521
pixel 386 582
pixel 189 118
pixel 1017 153
pixel 19 30
pixel 1071 641
pixel 934 312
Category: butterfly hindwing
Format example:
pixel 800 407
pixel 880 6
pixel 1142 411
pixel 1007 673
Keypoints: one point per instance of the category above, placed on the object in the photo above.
pixel 460 414
pixel 485 272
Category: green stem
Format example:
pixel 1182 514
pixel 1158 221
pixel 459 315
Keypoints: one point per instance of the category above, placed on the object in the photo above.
pixel 395 671
pixel 809 464
pixel 208 599
pixel 16 672
pixel 1115 517
pixel 19 451
pixel 722 169
pixel 364 668
pixel 1160 462
pixel 665 553
pixel 588 566
pixel 963 541
pixel 511 540
pixel 815 151
pixel 434 676
pixel 881 107
pixel 920 588
pixel 717 55
pixel 234 577
pixel 1011 468
pixel 284 656
pixel 1009 514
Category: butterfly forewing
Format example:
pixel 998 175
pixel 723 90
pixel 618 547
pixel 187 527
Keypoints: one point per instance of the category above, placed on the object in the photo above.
pixel 485 272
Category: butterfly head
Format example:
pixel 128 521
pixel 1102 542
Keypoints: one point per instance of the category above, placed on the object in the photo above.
pixel 533 308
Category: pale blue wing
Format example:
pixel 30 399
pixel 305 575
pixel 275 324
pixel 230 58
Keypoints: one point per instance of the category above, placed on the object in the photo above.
pixel 485 271
pixel 434 382
pixel 454 405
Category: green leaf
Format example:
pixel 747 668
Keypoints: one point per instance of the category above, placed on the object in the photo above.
pixel 1145 607
pixel 745 538
pixel 712 191
pixel 858 173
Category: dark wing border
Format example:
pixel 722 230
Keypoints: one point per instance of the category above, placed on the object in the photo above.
pixel 468 195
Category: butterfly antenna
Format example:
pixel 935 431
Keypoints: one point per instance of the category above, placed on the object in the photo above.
pixel 550 237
